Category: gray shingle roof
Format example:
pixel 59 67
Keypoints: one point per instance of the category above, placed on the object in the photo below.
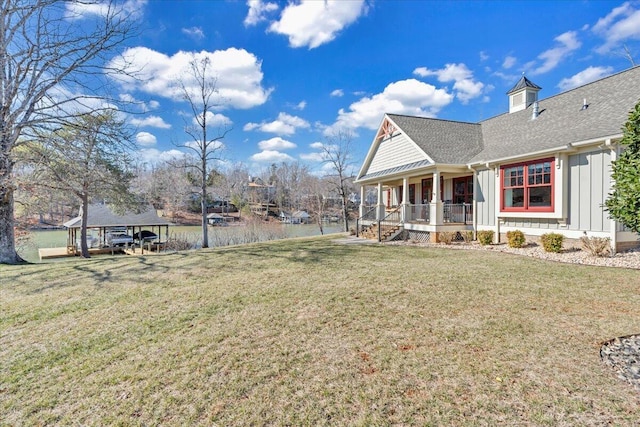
pixel 562 120
pixel 523 83
pixel 100 215
pixel 444 141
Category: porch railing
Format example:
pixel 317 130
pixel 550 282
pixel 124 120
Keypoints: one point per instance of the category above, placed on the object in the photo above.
pixel 459 213
pixel 419 213
pixel 369 215
pixel 392 219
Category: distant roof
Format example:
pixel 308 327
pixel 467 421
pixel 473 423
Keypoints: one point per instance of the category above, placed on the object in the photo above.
pixel 100 215
pixel 523 83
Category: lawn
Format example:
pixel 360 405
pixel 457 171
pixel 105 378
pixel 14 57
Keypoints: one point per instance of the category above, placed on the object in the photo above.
pixel 312 332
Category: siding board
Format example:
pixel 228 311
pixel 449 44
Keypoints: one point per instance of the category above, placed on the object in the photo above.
pixel 395 151
pixel 588 188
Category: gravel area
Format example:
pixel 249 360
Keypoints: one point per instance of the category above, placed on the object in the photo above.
pixel 623 355
pixel 628 259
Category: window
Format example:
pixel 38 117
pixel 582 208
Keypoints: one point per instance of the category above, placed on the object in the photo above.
pixel 463 190
pixel 527 187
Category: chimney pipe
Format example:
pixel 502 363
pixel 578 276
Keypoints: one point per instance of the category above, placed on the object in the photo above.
pixel 536 111
pixel 584 104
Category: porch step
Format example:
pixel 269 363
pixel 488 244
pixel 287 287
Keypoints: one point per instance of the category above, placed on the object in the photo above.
pixel 386 231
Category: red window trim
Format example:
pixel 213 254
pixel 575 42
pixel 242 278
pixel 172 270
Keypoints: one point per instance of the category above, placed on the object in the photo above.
pixel 526 186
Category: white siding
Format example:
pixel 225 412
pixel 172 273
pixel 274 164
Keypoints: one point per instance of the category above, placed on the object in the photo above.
pixel 589 185
pixel 485 197
pixel 395 151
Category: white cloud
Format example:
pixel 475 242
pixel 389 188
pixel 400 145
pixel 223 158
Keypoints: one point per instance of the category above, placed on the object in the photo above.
pixel 194 32
pixel 146 139
pixel 285 124
pixel 211 147
pixel 337 93
pixel 214 120
pixel 301 105
pixel 465 86
pixel 483 56
pixel 313 157
pixel 276 143
pixel 271 156
pixel 238 73
pixel 258 11
pixel 151 121
pixel 585 76
pixel 567 43
pixel 142 105
pixel 621 24
pixel 411 97
pixel 313 23
pixel 153 155
pixel 509 62
pixel 76 10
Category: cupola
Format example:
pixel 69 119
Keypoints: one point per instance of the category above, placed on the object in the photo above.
pixel 522 95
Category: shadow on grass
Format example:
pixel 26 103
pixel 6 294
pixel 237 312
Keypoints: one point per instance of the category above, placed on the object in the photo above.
pixel 98 272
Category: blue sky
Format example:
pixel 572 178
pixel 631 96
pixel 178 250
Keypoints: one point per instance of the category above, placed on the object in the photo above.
pixel 292 73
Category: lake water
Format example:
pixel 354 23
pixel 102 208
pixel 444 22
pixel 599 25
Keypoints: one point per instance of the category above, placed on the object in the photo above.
pixel 58 238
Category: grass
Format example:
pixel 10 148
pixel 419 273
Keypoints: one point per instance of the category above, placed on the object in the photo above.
pixel 311 332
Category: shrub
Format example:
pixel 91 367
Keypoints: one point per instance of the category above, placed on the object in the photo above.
pixel 485 237
pixel 596 246
pixel 180 242
pixel 515 239
pixel 446 237
pixel 552 242
pixel 467 236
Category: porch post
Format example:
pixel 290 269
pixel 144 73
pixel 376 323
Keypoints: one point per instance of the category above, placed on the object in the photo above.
pixel 404 211
pixel 362 201
pixel 380 205
pixel 436 209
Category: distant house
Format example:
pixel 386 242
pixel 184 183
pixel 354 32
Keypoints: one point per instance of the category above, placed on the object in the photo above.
pixel 545 166
pixel 297 217
pixel 215 219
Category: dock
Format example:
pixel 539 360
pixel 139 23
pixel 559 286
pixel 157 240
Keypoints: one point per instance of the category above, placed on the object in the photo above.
pixel 64 252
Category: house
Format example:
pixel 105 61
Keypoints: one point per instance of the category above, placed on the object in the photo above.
pixel 544 166
pixel 297 217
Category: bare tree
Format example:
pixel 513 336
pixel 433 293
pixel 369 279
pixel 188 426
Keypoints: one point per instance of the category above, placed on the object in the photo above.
pixel 165 185
pixel 87 158
pixel 337 153
pixel 45 57
pixel 629 55
pixel 199 89
pixel 315 197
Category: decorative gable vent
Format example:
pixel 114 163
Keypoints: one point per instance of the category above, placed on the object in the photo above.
pixel 386 130
pixel 522 95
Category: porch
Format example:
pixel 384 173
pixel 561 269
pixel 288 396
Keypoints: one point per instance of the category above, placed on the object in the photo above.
pixel 427 219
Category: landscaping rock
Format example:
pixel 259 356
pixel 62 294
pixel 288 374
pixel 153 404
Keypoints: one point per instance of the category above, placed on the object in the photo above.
pixel 623 355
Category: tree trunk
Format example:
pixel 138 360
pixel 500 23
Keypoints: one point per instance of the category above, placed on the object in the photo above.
pixel 84 249
pixel 345 213
pixel 205 229
pixel 8 254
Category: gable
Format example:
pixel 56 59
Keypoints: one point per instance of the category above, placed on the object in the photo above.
pixel 394 151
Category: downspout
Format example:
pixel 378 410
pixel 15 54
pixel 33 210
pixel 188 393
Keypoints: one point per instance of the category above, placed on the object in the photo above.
pixel 614 223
